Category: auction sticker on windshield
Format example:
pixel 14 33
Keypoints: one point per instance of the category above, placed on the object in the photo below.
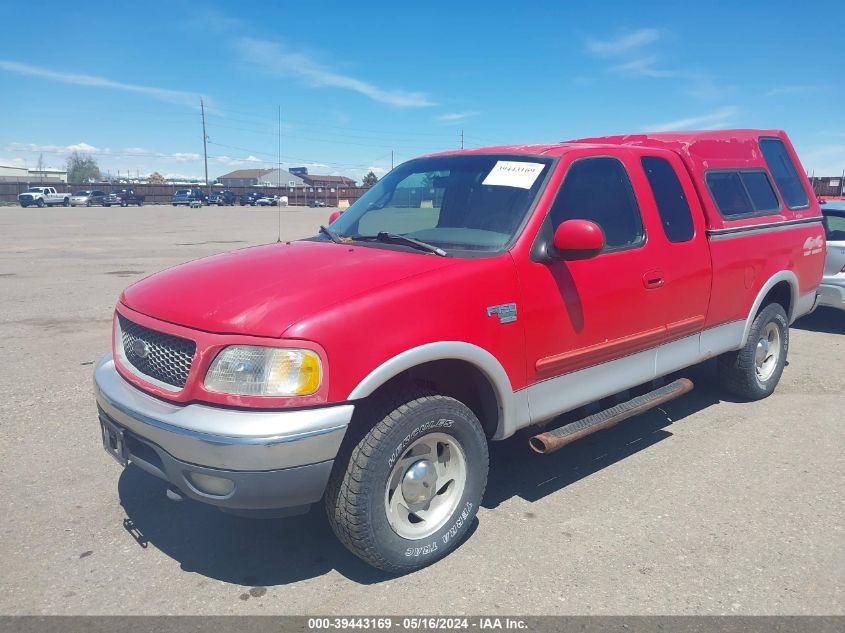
pixel 512 173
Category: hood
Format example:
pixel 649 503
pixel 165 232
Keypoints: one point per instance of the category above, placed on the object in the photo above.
pixel 262 291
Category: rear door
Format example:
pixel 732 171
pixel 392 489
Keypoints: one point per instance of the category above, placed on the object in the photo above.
pixel 682 261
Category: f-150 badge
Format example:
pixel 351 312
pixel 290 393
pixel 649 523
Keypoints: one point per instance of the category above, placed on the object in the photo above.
pixel 506 312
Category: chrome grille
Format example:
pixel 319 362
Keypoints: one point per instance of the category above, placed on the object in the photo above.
pixel 162 357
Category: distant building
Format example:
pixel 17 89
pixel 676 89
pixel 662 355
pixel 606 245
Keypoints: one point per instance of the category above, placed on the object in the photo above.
pixel 13 174
pixel 280 177
pixel 243 177
pixel 47 175
pixel 328 182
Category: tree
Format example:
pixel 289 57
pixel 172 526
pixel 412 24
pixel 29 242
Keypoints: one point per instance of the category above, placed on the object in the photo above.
pixel 369 180
pixel 82 168
pixel 156 178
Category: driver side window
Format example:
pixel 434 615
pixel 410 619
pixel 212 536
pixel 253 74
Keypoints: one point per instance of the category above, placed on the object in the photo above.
pixel 599 189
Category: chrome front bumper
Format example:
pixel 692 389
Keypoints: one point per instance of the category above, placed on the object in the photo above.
pixel 276 459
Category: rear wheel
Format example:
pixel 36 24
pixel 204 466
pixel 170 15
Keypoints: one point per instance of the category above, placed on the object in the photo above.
pixel 66 202
pixel 140 203
pixel 88 203
pixel 404 495
pixel 754 371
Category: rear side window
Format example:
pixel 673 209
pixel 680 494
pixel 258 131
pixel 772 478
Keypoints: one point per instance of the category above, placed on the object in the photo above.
pixel 670 198
pixel 599 189
pixel 739 193
pixel 784 172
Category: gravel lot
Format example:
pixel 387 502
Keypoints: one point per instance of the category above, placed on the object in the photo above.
pixel 705 506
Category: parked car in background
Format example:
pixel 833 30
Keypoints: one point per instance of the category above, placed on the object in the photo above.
pixel 832 289
pixel 267 200
pixel 87 198
pixel 222 198
pixel 250 198
pixel 188 197
pixel 123 197
pixel 316 203
pixel 569 275
pixel 43 197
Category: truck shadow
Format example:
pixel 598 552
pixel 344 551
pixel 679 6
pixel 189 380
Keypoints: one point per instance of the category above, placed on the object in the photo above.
pixel 237 550
pixel 824 319
pixel 517 471
pixel 264 553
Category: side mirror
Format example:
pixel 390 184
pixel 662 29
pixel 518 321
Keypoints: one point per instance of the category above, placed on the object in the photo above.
pixel 578 239
pixel 334 216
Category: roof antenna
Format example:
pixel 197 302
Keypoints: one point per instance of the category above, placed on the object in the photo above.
pixel 279 172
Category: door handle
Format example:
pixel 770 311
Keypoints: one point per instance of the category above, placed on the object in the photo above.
pixel 653 280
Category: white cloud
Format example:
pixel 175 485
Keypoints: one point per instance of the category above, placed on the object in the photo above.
pixel 454 117
pixel 162 94
pixel 378 171
pixel 787 90
pixel 231 162
pixel 13 162
pixel 272 58
pixel 623 44
pixel 823 160
pixel 720 118
pixel 643 67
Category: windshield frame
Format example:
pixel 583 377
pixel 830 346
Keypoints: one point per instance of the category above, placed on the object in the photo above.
pixel 454 250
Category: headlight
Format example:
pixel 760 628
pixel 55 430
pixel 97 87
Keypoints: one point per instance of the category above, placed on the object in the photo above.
pixel 250 370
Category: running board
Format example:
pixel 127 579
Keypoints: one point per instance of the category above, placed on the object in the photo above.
pixel 550 441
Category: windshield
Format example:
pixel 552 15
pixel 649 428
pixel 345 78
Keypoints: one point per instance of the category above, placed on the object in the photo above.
pixel 182 192
pixel 82 193
pixel 458 203
pixel 34 189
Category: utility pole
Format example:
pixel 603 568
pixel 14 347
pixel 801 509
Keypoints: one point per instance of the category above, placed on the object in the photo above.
pixel 204 143
pixel 279 172
pixel 462 138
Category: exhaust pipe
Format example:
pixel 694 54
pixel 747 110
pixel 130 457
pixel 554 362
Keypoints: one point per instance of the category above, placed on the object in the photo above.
pixel 551 441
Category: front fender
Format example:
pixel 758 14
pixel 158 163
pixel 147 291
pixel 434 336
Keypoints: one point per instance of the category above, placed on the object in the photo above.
pixel 513 407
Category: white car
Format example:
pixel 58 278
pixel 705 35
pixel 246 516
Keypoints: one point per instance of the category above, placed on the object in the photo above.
pixel 832 288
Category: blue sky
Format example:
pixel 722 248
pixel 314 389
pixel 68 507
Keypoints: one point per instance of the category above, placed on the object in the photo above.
pixel 357 80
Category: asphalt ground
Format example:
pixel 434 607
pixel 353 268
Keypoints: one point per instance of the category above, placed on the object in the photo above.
pixel 704 506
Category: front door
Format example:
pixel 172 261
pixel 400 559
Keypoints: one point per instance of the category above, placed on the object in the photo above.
pixel 582 314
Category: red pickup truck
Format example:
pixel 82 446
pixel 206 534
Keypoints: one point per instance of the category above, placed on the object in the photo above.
pixel 464 297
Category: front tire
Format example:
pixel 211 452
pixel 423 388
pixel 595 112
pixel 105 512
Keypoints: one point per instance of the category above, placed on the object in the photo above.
pixel 404 495
pixel 753 372
pixel 40 204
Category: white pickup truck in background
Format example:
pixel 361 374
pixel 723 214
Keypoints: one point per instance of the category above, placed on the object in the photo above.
pixel 43 197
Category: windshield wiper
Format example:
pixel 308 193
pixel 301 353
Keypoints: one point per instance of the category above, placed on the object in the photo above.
pixel 334 237
pixel 383 236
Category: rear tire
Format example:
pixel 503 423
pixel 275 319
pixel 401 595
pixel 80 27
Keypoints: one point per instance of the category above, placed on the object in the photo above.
pixel 753 372
pixel 66 202
pixel 404 494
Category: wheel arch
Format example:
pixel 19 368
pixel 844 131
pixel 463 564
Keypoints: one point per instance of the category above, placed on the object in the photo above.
pixel 782 287
pixel 483 385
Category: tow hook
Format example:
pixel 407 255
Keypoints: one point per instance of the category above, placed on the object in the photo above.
pixel 174 494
